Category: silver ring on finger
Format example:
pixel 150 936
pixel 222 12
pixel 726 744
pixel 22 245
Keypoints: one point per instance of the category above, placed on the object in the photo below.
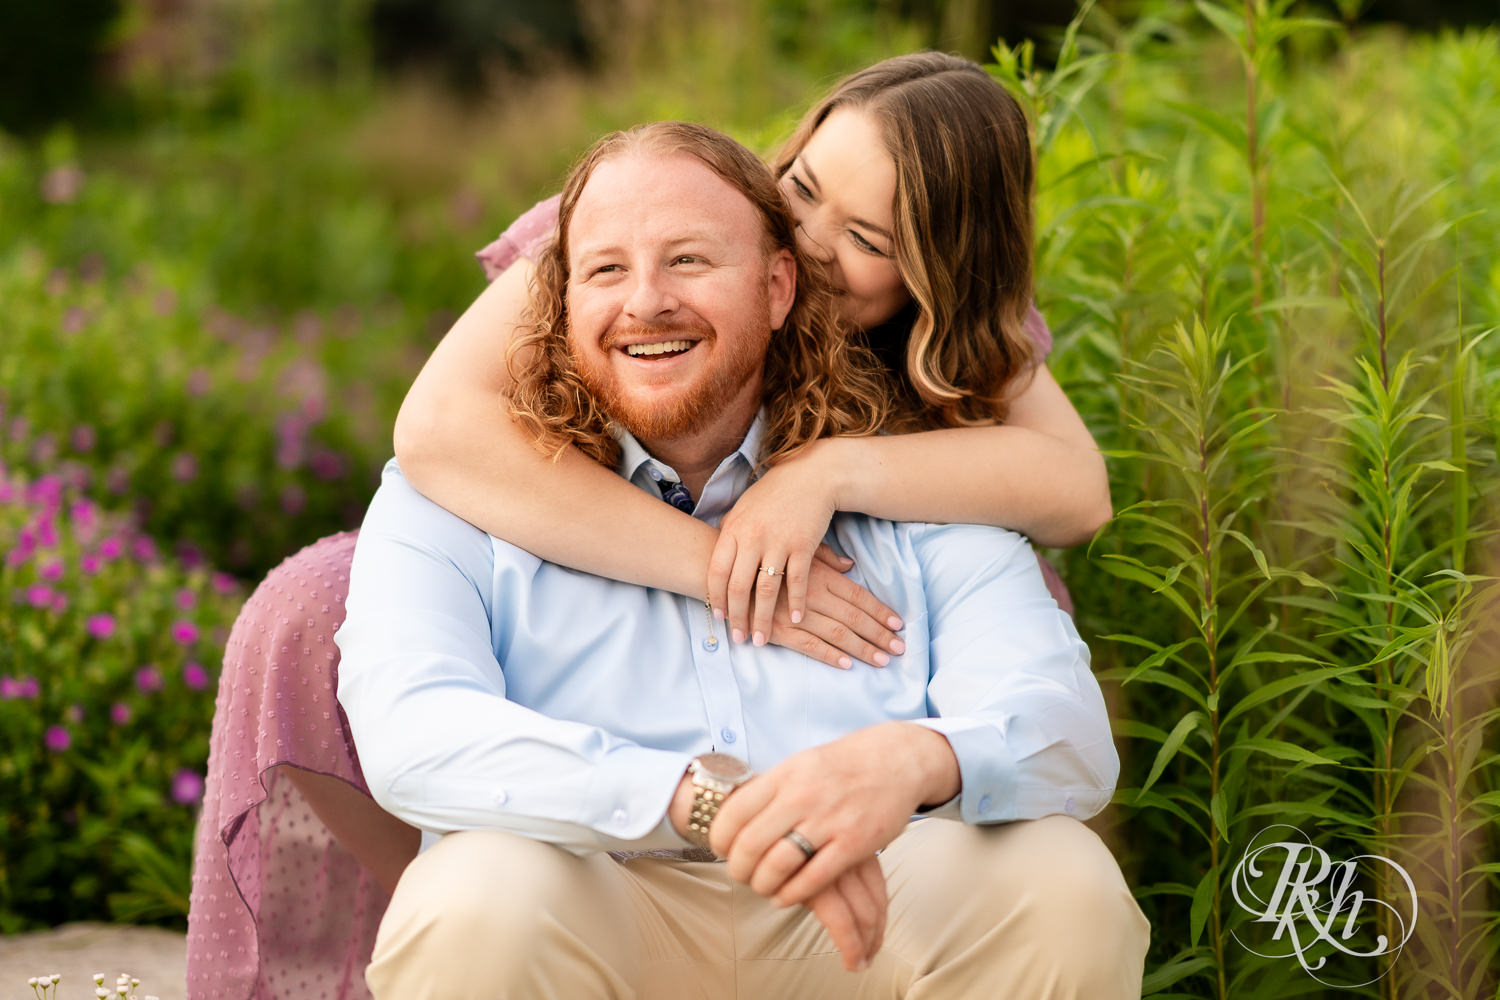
pixel 803 844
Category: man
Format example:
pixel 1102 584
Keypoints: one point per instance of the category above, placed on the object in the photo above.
pixel 532 718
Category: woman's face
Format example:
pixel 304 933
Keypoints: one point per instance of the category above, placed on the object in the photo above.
pixel 842 190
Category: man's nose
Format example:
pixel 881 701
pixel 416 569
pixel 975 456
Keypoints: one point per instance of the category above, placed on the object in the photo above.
pixel 815 243
pixel 650 298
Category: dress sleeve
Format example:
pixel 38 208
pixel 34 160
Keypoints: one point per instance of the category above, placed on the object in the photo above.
pixel 1036 328
pixel 528 234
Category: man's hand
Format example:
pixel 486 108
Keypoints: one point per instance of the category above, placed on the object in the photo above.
pixel 853 910
pixel 849 798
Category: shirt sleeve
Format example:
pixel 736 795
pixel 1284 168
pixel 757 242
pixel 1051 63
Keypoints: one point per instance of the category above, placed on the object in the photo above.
pixel 1010 685
pixel 440 745
pixel 525 238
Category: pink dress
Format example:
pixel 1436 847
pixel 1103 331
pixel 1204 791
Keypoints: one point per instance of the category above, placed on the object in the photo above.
pixel 279 909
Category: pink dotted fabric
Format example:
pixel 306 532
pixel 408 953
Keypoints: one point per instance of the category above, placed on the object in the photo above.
pixel 278 908
pixel 525 238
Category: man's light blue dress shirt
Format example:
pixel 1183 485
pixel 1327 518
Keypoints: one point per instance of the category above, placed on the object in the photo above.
pixel 486 688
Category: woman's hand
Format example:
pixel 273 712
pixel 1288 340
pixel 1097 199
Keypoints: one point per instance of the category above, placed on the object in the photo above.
pixel 776 530
pixel 844 621
pixel 772 531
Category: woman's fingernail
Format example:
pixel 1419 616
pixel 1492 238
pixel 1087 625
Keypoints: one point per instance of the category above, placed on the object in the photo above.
pixel 760 638
pixel 898 647
pixel 796 618
pixel 845 663
pixel 738 636
pixel 718 614
pixel 881 659
pixel 862 965
pixel 894 622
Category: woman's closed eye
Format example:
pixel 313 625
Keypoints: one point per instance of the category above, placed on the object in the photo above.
pixel 865 245
pixel 803 191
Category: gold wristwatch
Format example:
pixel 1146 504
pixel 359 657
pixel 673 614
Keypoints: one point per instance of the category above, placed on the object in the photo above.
pixel 714 775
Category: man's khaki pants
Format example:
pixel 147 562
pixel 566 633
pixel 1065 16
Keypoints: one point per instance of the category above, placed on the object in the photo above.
pixel 1019 911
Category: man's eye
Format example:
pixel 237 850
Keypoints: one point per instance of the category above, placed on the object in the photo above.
pixel 687 258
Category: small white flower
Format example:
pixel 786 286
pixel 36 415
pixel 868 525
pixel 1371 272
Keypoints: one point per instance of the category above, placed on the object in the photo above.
pixel 98 979
pixel 55 977
pixel 122 989
pixel 31 981
pixel 101 993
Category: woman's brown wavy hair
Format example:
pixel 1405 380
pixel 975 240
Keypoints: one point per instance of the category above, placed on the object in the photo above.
pixel 963 232
pixel 818 380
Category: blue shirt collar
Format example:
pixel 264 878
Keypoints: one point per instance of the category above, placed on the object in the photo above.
pixel 732 477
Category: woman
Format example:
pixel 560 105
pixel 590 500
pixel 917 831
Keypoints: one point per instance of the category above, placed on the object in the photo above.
pixel 912 182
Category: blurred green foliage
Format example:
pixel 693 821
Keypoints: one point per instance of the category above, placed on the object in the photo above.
pixel 1264 243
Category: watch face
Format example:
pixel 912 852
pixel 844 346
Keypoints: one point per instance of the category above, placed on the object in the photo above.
pixel 723 767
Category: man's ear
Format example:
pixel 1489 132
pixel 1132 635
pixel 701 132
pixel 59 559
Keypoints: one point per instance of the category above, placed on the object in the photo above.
pixel 781 286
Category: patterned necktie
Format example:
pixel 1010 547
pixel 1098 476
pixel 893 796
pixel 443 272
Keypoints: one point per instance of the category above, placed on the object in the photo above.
pixel 676 494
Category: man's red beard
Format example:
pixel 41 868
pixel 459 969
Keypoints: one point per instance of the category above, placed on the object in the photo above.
pixel 694 408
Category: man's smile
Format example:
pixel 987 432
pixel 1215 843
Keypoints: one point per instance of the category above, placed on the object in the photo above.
pixel 672 348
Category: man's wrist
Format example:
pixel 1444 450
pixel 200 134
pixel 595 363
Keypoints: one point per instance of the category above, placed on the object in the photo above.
pixel 938 777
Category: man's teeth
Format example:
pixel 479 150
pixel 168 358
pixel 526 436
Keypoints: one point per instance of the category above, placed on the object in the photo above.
pixel 638 350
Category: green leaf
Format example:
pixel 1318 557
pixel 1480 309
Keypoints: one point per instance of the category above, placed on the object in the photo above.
pixel 1203 898
pixel 1168 750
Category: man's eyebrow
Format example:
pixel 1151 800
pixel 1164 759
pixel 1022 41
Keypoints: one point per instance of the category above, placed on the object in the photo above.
pixel 818 189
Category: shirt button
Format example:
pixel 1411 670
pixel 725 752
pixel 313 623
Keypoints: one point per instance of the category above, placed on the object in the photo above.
pixel 618 817
pixel 655 474
pixel 1070 806
pixel 729 735
pixel 501 798
pixel 711 643
pixel 984 804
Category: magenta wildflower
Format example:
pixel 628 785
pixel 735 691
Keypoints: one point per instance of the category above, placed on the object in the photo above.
pixel 84 438
pixel 59 603
pixel 7 491
pixel 52 570
pixel 148 679
pixel 185 467
pixel 101 626
pixel 75 713
pixel 119 713
pixel 46 532
pixel 187 787
pixel 90 563
pixel 199 382
pixel 57 738
pixel 186 599
pixel 117 480
pixel 39 595
pixel 223 583
pixel 185 633
pixel 190 555
pixel 75 319
pixel 10 688
pixel 144 549
pixel 111 548
pixel 63 184
pixel 195 677
pixel 30 689
pixel 293 499
pixel 326 465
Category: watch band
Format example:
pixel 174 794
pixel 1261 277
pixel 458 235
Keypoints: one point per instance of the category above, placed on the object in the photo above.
pixel 711 786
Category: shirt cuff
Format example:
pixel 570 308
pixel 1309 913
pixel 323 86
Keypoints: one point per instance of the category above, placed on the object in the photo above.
pixel 986 769
pixel 631 792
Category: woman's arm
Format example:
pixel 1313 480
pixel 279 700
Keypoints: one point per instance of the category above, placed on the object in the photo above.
pixel 1040 473
pixel 458 445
